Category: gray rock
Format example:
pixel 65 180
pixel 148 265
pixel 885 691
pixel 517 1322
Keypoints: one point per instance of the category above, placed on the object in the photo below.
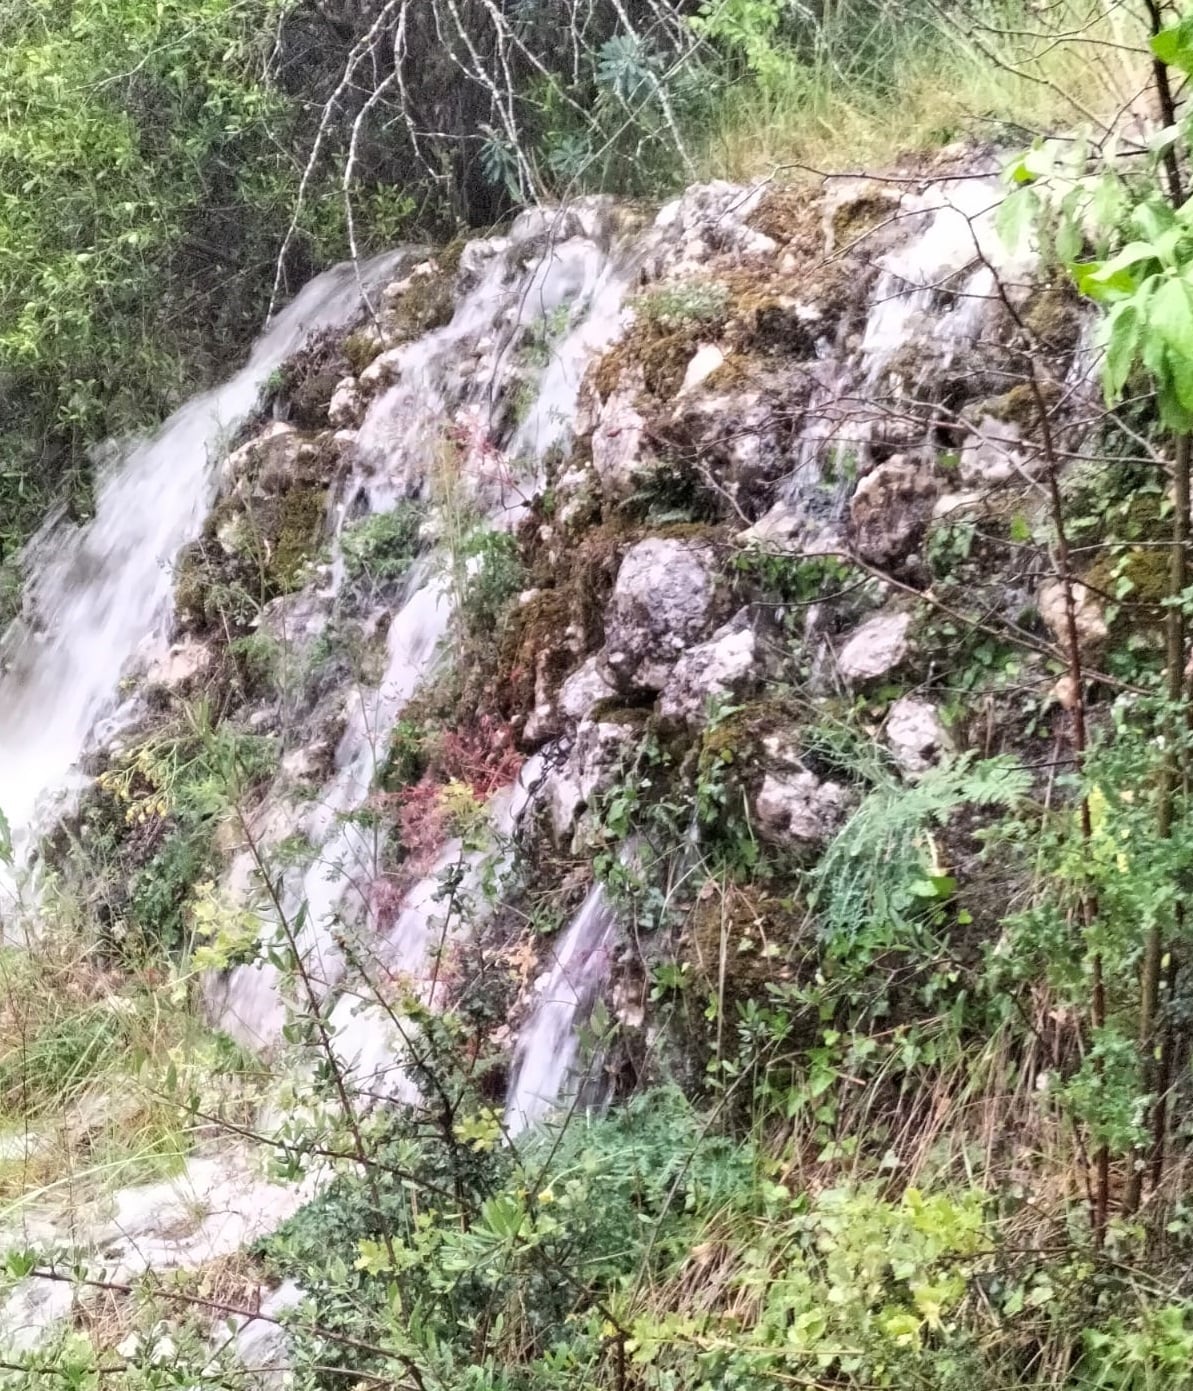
pixel 383 371
pixel 742 434
pixel 915 734
pixel 347 405
pixel 796 811
pixel 477 257
pixel 1090 620
pixel 891 509
pixel 993 453
pixel 245 463
pixel 583 689
pixel 725 666
pixel 663 602
pixel 706 360
pixel 181 666
pixel 875 648
pixel 593 763
pixel 617 453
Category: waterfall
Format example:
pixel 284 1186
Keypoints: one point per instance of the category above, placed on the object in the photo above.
pixel 99 597
pixel 99 593
pixel 549 1043
pixel 450 378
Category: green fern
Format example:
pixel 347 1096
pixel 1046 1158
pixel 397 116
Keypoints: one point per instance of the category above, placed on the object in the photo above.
pixel 873 872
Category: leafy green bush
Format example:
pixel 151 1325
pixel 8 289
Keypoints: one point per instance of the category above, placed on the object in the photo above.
pixel 492 577
pixel 382 547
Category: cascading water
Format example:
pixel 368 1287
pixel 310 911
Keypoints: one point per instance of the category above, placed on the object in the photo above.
pixel 548 1044
pixel 400 438
pixel 97 594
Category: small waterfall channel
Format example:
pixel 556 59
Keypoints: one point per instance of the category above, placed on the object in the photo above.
pixel 99 595
pixel 99 601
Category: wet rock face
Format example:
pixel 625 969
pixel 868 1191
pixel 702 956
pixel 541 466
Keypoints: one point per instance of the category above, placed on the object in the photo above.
pixel 664 601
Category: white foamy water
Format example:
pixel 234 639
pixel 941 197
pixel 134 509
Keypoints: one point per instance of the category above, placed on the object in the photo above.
pixel 428 433
pixel 98 593
pixel 548 1045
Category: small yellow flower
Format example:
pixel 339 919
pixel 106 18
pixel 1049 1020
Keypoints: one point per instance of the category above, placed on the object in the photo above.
pixel 546 1196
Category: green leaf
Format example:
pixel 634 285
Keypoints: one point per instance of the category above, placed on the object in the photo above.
pixel 1131 255
pixel 1091 280
pixel 1020 528
pixel 1016 217
pixel 1170 315
pixel 1122 341
pixel 18 1264
pixel 1153 218
pixel 1174 45
pixel 1181 375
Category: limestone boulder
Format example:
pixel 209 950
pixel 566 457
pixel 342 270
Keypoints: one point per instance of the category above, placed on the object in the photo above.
pixel 875 648
pixel 797 812
pixel 596 757
pixel 584 689
pixel 1089 618
pixel 915 735
pixel 347 405
pixel 891 509
pixel 182 667
pixel 724 667
pixel 620 451
pixel 664 601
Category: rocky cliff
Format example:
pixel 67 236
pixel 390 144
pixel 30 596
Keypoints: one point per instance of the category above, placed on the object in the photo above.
pixel 590 639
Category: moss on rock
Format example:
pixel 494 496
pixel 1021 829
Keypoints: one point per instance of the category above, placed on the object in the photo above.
pixel 739 939
pixel 426 302
pixel 299 531
pixel 1053 317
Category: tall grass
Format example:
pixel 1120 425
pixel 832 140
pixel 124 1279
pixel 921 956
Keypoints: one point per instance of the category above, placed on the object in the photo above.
pixel 871 80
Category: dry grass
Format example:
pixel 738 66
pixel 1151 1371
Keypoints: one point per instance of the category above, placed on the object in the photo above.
pixel 1068 66
pixel 96 1067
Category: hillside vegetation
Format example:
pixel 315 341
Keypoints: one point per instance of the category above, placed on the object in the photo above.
pixel 839 640
pixel 171 172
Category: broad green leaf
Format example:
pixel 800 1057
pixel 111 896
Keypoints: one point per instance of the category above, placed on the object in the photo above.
pixel 1122 341
pixel 1173 387
pixel 1180 379
pixel 1090 280
pixel 1174 45
pixel 1167 244
pixel 1131 255
pixel 1170 315
pixel 1152 218
pixel 1016 217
